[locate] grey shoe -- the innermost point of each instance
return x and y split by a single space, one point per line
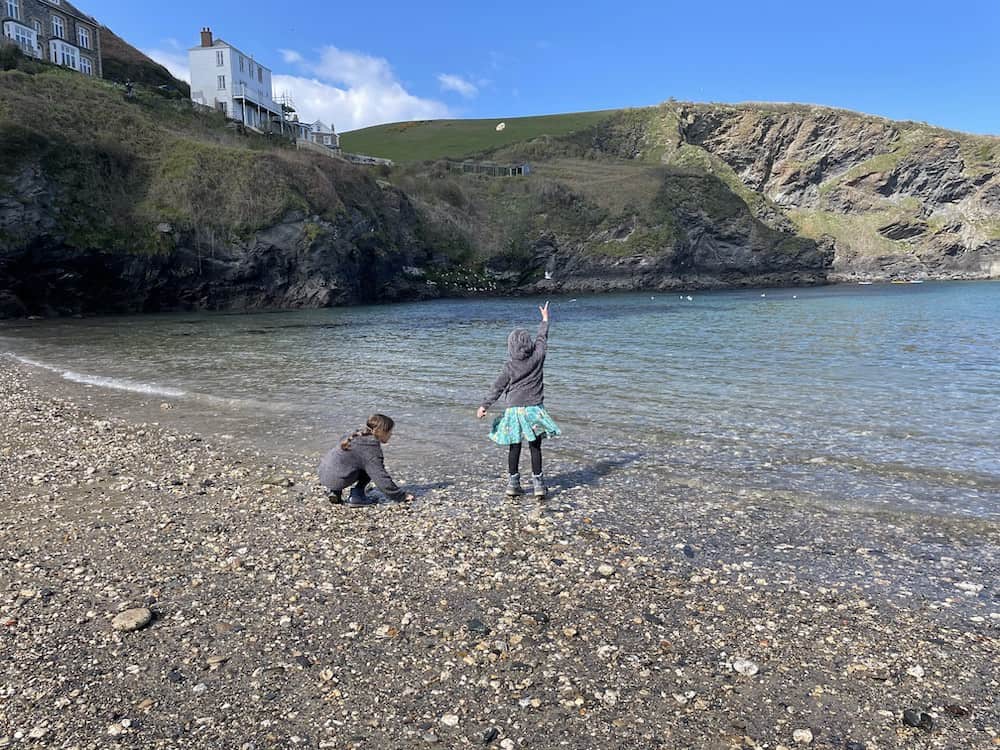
538 485
358 498
514 485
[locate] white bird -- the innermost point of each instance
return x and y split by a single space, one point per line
763 295
689 298
548 274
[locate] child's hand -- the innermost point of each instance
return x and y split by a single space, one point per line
481 412
544 310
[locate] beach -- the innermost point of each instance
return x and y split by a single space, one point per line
463 619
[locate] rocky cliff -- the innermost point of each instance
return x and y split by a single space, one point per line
896 199
144 204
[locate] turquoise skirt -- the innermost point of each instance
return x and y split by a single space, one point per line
519 423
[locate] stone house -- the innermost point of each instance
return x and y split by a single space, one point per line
325 135
53 30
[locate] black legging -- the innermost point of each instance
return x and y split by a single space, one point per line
514 456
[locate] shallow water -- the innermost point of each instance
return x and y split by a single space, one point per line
882 395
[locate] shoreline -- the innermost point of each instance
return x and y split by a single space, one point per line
537 289
280 620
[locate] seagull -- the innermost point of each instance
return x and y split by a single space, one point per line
689 298
548 274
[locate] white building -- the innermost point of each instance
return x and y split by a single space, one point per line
225 78
324 136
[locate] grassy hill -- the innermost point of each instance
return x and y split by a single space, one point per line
123 62
425 140
120 166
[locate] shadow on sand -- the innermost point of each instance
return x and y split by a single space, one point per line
589 475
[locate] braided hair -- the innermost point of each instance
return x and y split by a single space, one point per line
378 425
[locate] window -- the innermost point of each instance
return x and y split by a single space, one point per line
24 37
58 28
242 61
260 74
83 36
222 83
38 27
64 54
220 58
222 107
86 67
326 140
12 9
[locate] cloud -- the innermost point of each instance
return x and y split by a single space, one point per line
458 84
173 57
351 90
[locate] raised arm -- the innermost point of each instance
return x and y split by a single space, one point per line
541 340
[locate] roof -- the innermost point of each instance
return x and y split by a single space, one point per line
68 8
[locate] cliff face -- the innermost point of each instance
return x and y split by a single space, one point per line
115 204
298 261
896 199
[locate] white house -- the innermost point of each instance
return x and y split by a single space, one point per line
226 78
324 136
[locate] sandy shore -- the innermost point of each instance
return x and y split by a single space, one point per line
463 619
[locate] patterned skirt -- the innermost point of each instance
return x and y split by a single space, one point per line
519 423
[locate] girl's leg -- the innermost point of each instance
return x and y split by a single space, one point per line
535 446
514 458
513 462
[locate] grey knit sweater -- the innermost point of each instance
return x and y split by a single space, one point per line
522 379
340 469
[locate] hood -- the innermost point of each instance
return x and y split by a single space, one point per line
520 344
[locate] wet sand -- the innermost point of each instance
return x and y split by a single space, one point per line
279 620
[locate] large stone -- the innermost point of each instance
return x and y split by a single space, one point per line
132 619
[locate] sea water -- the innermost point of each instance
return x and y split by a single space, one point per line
880 395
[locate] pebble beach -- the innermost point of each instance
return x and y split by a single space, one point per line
161 589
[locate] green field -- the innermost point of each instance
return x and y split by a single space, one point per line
425 140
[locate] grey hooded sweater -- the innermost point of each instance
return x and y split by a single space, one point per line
522 378
340 469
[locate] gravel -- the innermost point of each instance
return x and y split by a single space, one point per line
272 618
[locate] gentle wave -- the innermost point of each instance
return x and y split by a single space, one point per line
120 384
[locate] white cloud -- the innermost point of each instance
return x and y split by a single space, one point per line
352 90
458 84
173 57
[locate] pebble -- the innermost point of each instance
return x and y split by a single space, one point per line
745 667
802 736
346 630
913 717
132 619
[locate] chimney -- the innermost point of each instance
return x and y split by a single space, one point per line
206 37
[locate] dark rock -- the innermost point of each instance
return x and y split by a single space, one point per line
915 718
175 676
477 627
490 734
854 745
959 712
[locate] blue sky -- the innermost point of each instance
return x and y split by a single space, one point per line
359 64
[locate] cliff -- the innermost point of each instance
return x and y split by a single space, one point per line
116 204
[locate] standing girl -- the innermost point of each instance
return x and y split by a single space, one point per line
358 460
525 418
